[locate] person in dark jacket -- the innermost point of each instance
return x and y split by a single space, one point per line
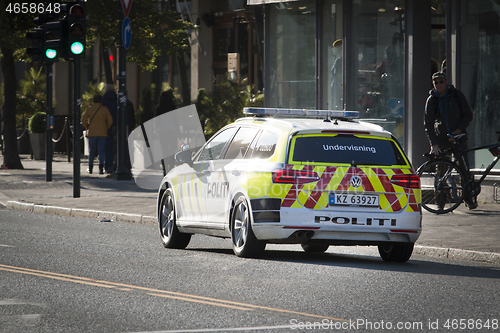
110 100
166 102
447 112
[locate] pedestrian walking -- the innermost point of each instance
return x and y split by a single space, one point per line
97 120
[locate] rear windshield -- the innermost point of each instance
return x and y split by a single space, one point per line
346 149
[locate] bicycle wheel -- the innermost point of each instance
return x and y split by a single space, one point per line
442 186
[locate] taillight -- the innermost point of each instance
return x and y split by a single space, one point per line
408 181
289 176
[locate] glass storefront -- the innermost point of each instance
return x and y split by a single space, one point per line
306 69
332 37
377 29
292 65
378 41
479 67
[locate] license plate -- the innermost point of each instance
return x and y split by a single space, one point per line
353 200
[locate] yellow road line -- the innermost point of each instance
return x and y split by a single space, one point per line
157 292
200 301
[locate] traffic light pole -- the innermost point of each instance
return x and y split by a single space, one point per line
122 173
76 128
48 128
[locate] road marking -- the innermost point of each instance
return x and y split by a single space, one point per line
203 302
232 329
5 245
156 292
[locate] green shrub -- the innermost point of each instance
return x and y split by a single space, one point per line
221 106
37 123
30 96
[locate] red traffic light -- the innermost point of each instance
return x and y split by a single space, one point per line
76 11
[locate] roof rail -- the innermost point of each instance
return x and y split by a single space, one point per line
262 112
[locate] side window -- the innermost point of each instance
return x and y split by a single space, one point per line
214 147
240 143
264 147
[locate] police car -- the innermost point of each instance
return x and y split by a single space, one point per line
284 176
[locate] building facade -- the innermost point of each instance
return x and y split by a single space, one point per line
377 57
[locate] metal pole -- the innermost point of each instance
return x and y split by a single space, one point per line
76 128
68 138
48 126
121 171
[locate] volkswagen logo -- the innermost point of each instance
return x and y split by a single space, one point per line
356 181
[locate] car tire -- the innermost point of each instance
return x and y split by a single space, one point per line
314 248
245 244
396 252
171 237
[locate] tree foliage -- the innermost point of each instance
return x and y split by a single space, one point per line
224 104
155 31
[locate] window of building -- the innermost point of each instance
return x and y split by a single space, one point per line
479 73
332 57
377 65
290 81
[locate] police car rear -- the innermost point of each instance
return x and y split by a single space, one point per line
344 183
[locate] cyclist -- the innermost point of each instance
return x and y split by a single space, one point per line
447 112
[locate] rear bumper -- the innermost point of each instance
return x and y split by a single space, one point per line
340 228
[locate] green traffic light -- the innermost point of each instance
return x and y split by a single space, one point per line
76 48
50 53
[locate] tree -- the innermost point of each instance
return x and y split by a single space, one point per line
13 29
156 31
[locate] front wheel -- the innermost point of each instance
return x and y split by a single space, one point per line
171 237
245 244
442 185
396 252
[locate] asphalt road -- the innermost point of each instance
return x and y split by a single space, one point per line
62 274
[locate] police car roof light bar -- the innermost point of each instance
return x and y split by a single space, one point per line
301 113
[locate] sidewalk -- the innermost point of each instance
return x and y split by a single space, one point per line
463 234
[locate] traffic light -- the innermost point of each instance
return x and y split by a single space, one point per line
52 33
36 49
75 28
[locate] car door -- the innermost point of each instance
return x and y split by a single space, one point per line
206 171
224 175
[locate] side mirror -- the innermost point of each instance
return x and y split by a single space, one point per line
184 157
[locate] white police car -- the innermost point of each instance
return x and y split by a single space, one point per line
309 181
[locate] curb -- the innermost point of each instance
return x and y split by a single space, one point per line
429 251
457 254
75 212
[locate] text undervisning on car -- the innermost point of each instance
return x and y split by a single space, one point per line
292 176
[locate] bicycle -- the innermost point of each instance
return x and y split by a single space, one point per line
442 180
